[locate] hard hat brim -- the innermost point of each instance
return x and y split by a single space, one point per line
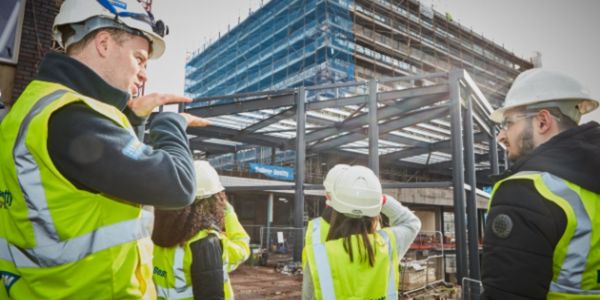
585 106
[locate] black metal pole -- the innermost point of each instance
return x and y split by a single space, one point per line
300 167
495 169
458 174
472 224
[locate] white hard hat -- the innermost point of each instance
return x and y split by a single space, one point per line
332 175
207 180
85 16
542 88
357 192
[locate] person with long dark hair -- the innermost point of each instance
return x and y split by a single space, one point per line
358 261
196 247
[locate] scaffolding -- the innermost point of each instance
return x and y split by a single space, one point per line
288 44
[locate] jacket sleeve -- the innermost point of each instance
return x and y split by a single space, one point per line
97 155
207 269
235 241
521 231
403 222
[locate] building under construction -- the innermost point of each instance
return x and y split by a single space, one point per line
302 85
287 44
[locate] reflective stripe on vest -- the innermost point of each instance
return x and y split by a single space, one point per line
181 290
316 232
50 250
4 250
322 263
579 247
324 270
392 292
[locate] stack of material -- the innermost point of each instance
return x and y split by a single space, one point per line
416 274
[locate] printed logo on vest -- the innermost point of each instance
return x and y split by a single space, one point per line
8 279
5 199
159 272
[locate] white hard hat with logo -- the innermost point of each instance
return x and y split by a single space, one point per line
207 180
85 16
331 176
541 88
357 192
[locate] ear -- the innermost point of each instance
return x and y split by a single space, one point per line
544 122
103 43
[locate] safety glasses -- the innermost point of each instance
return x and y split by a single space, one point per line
158 26
508 122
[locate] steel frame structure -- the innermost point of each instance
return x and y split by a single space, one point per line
448 106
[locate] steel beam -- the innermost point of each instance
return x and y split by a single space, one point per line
288 113
442 146
401 122
265 102
236 135
399 107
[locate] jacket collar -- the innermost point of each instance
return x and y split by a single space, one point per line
62 69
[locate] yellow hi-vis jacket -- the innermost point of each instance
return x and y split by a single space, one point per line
57 241
576 259
172 275
335 277
309 238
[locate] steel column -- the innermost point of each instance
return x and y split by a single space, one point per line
472 224
373 128
458 174
300 168
269 219
494 151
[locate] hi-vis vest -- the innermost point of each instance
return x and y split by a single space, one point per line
576 259
335 277
172 275
56 241
308 238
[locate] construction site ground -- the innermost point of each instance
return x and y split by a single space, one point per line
258 282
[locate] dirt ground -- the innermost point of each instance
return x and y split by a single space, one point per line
255 282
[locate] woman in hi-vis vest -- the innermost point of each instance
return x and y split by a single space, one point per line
357 261
197 246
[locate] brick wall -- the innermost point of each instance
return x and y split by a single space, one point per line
36 39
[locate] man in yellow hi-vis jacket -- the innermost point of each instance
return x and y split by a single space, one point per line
73 173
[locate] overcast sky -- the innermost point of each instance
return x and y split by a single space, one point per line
565 32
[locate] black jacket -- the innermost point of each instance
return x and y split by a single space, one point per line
517 260
89 149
